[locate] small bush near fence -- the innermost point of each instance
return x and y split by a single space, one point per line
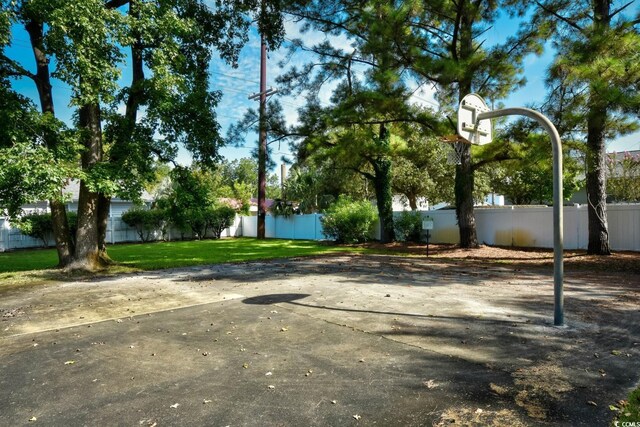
349 222
39 226
219 218
408 226
146 222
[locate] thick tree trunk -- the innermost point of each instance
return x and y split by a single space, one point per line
64 242
61 233
104 203
384 194
464 179
384 201
596 182
464 200
413 203
87 254
134 99
596 151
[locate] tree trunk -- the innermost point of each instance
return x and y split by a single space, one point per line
64 242
464 179
413 202
61 233
87 254
596 150
384 194
135 98
104 203
464 200
596 182
382 184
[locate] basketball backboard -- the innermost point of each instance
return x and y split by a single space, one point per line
473 130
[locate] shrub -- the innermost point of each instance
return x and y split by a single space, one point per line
347 221
283 208
219 218
214 219
37 225
145 221
408 226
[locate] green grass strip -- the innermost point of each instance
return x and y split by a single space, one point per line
161 255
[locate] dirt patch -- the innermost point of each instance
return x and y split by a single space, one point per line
624 262
479 417
540 385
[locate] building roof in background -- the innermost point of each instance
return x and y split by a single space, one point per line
267 202
619 155
73 190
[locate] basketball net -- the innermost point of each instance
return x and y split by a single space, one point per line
456 148
454 156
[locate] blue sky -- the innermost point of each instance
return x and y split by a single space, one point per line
237 84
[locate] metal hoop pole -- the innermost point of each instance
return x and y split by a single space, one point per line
558 266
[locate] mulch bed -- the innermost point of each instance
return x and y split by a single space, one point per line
621 262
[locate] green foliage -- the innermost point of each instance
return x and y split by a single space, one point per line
36 225
283 208
85 44
192 205
145 221
40 226
623 178
420 169
408 226
30 171
219 218
347 221
317 183
527 176
189 196
629 410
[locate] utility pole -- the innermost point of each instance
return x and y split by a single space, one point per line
262 144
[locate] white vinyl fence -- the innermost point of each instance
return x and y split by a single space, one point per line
117 232
301 227
533 226
505 226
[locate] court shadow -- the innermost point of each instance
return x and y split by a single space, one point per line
274 299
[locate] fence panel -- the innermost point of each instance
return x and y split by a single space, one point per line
624 227
509 226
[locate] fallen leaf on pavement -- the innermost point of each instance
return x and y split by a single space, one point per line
430 384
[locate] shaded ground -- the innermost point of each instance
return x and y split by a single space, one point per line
619 261
338 340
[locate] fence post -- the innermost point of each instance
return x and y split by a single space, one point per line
3 236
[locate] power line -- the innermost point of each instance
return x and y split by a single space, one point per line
235 77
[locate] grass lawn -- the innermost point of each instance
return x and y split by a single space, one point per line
160 255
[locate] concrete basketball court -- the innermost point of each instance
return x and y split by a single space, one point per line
327 341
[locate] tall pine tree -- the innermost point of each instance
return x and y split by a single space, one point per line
595 87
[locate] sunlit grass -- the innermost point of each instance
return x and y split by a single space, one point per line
161 255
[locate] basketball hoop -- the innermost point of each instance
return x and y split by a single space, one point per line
455 150
470 128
